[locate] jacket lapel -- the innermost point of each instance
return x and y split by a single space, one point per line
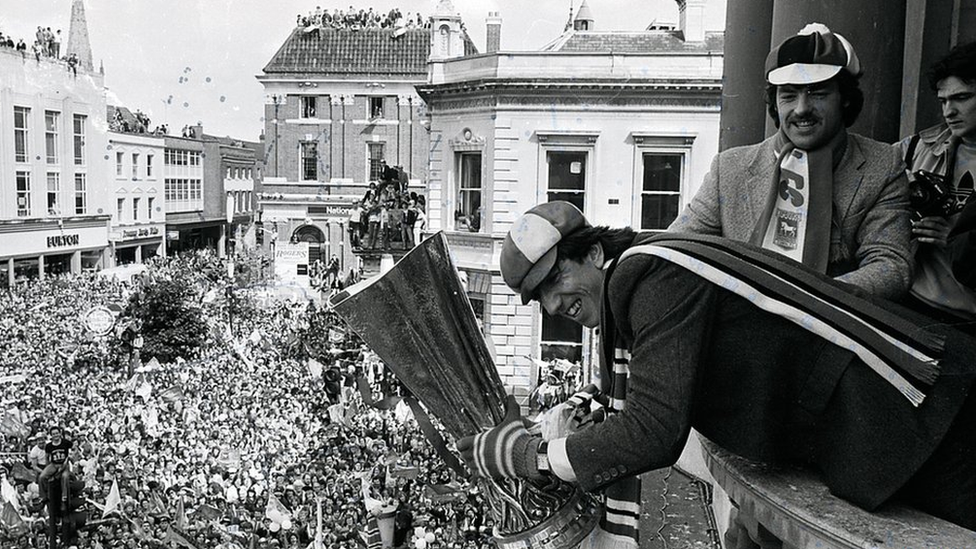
760 169
848 178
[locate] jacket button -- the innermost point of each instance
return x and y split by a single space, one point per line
613 473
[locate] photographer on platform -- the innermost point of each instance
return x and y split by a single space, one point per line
942 165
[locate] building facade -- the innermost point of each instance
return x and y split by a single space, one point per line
54 200
138 198
622 124
339 104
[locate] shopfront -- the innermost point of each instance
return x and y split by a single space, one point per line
137 244
37 249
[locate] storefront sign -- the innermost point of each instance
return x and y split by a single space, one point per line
63 240
55 239
291 262
142 232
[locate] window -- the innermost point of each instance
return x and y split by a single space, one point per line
375 107
21 134
561 338
135 165
445 38
149 165
119 209
194 157
567 176
80 122
135 209
118 163
23 194
81 193
183 194
307 106
660 190
468 216
309 160
52 119
374 155
149 207
53 193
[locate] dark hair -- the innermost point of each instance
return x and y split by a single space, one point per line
577 244
850 93
960 62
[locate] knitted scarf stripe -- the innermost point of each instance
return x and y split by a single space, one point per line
840 327
622 513
869 307
910 362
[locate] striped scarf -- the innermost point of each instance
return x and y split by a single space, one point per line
886 342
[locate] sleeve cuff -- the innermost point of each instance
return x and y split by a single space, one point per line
559 460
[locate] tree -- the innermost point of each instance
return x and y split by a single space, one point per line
168 311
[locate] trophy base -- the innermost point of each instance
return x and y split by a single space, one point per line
566 528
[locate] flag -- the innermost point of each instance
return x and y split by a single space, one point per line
176 536
443 493
150 366
20 472
137 379
172 394
207 512
371 534
12 520
9 494
351 412
113 500
11 379
402 411
405 472
137 530
180 519
398 32
336 413
315 368
229 458
12 426
318 525
144 390
275 508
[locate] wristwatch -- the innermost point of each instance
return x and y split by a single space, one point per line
542 458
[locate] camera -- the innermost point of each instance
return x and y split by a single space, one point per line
929 196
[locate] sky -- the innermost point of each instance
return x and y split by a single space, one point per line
195 61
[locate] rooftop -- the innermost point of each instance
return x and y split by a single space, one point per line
634 42
373 51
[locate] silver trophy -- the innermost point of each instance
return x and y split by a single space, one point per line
418 319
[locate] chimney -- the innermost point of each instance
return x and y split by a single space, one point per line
78 42
691 19
494 39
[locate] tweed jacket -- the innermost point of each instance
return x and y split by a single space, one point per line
758 385
870 227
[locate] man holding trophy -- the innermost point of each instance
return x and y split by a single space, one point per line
758 353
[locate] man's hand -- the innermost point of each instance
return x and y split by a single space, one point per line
931 230
505 451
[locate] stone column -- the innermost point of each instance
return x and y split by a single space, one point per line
76 263
747 35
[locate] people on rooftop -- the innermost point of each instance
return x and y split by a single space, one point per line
360 19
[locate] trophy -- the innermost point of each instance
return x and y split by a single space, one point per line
418 319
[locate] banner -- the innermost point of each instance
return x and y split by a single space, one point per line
11 426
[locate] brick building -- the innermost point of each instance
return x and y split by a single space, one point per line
339 103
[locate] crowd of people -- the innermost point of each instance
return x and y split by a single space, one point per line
47 44
237 444
388 213
361 19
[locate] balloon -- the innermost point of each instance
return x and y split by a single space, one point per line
286 524
421 543
419 532
429 538
275 515
274 527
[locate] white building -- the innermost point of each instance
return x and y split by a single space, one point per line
139 205
622 124
54 213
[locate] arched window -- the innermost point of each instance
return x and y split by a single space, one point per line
445 32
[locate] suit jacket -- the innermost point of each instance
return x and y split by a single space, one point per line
757 385
870 226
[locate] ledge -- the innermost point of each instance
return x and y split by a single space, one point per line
791 505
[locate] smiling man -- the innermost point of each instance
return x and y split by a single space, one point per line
832 200
762 355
